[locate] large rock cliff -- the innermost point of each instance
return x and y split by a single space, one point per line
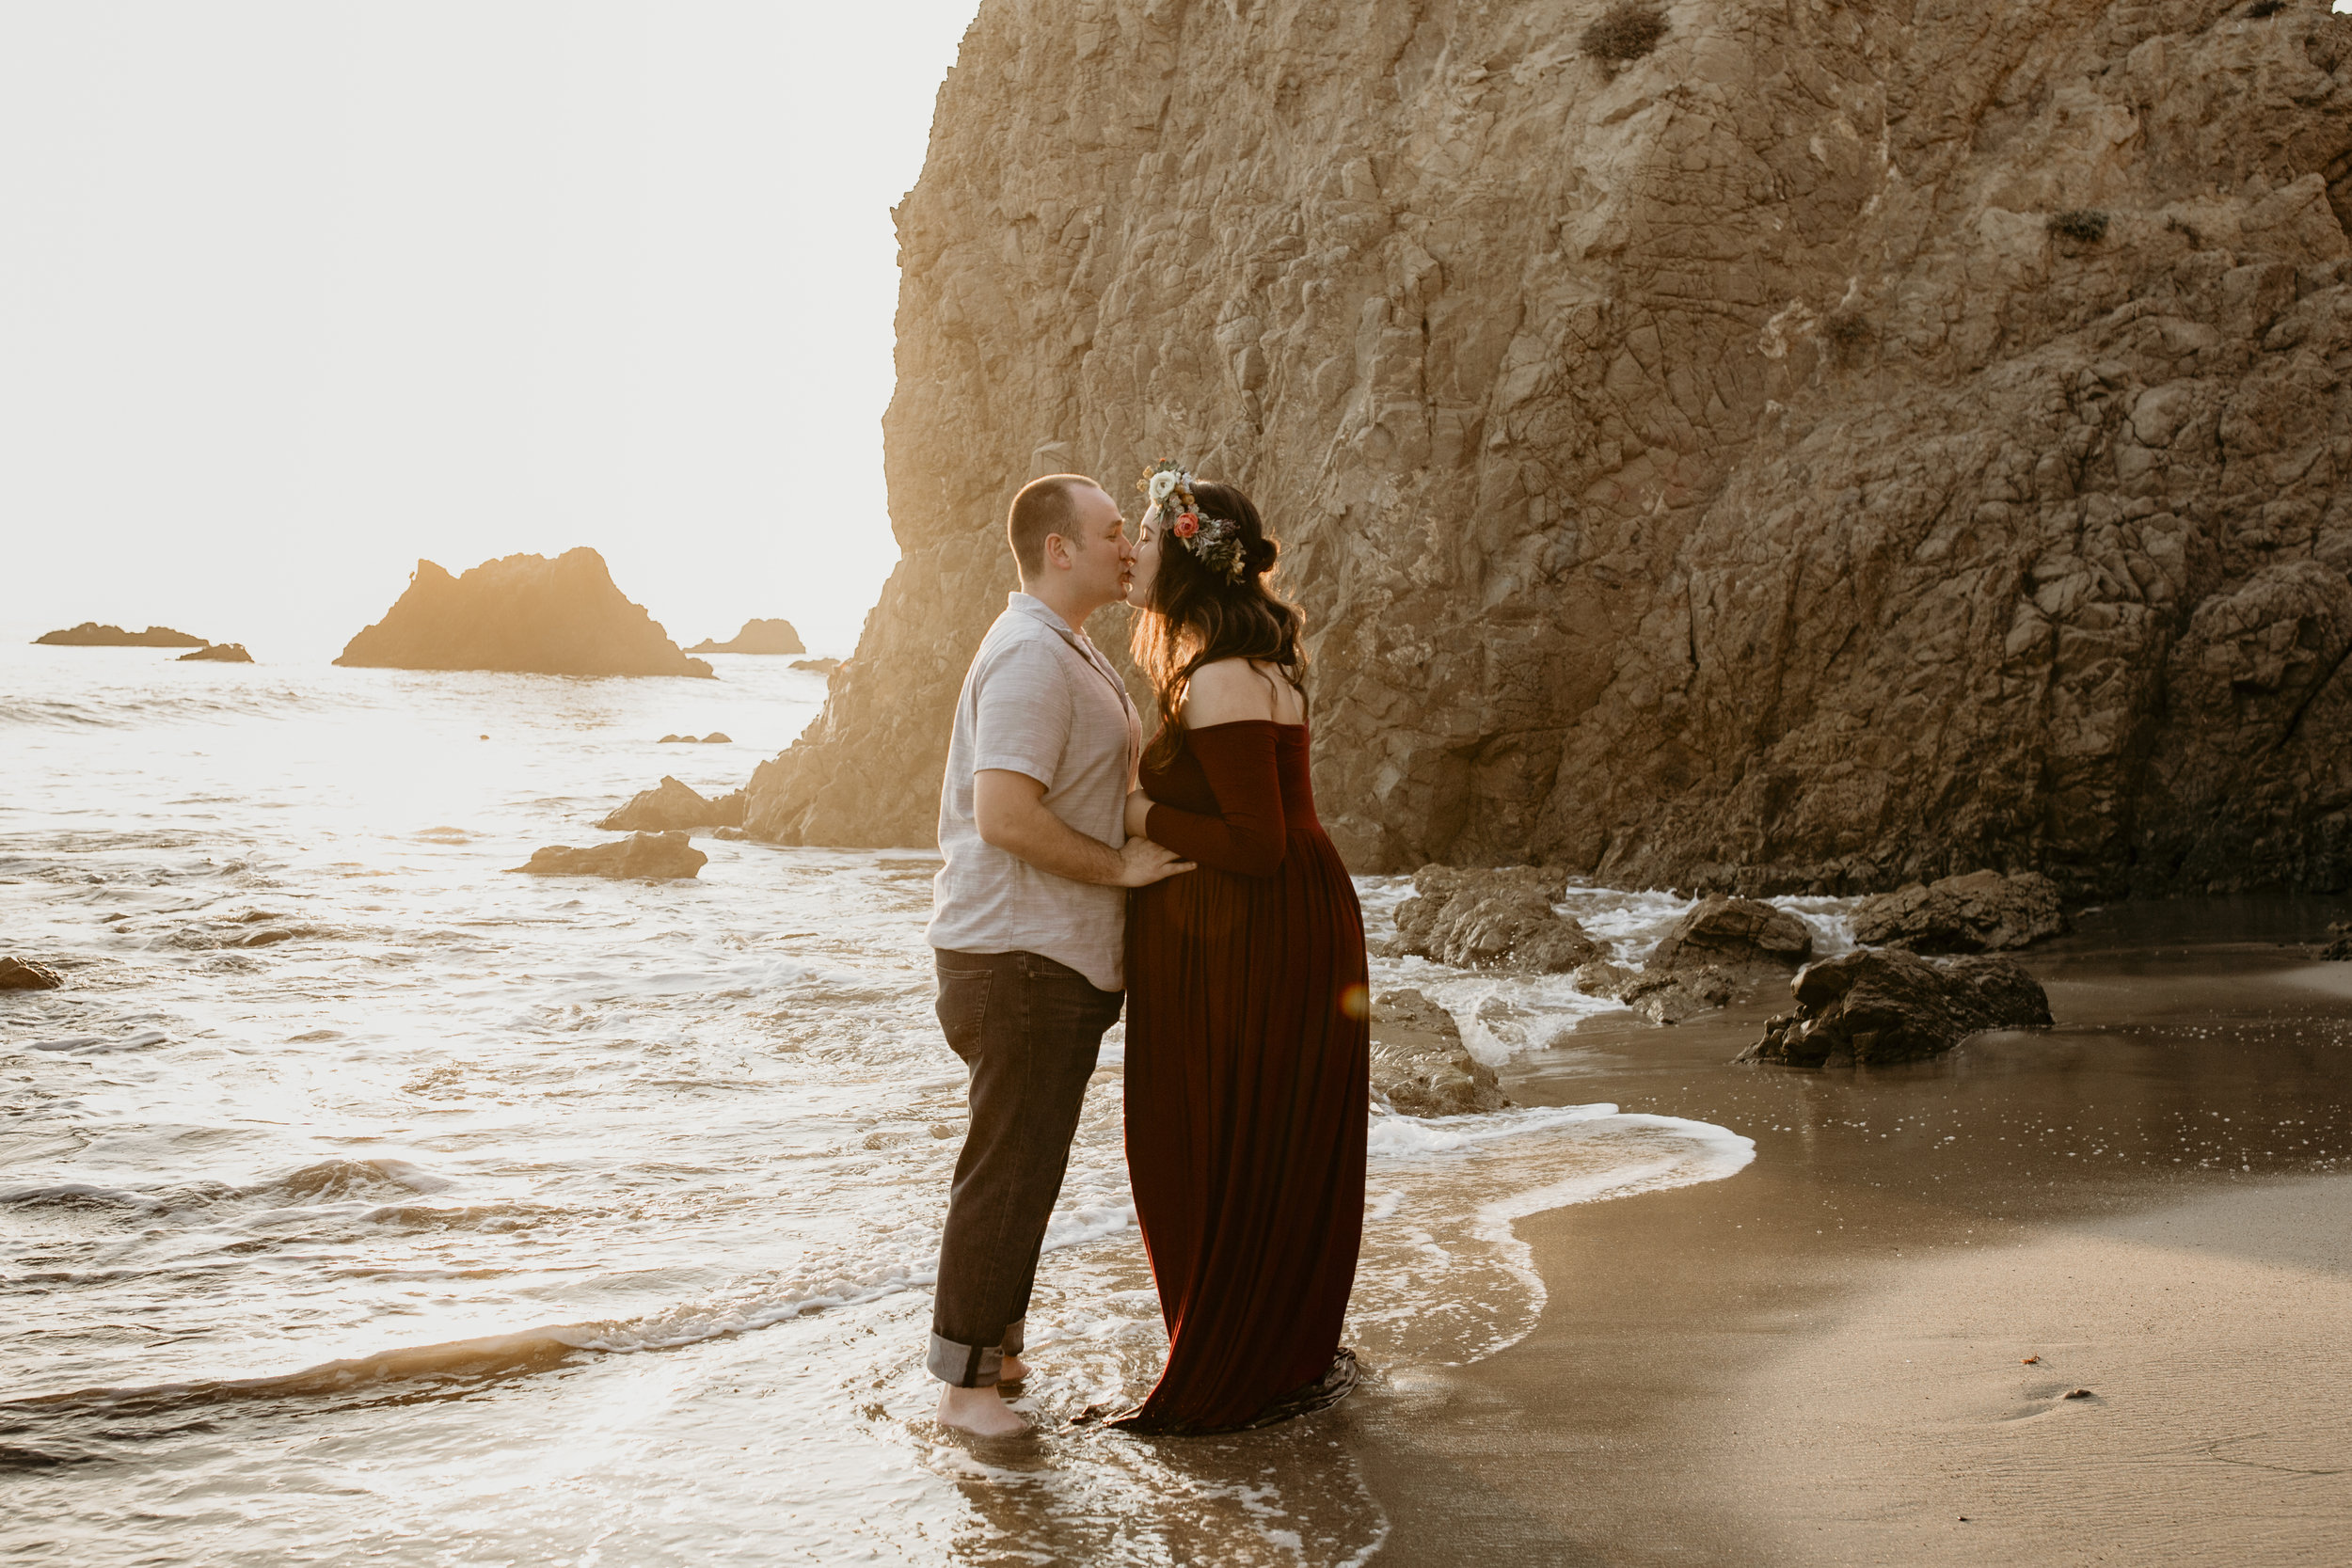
1848 444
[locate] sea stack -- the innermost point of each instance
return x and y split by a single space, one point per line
523 613
1785 447
218 653
758 637
90 634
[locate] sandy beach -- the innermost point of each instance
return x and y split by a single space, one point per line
1824 1359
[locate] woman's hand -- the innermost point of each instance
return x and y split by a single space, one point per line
1138 808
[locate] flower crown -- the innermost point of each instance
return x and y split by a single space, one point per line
1215 541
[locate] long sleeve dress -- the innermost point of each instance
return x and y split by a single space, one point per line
1247 1074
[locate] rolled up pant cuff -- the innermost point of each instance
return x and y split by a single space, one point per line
973 1366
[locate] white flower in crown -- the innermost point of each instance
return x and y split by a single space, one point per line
1163 484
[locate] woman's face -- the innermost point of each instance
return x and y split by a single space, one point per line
1147 566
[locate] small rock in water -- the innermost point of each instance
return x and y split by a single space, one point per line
671 804
1419 1061
1663 998
1740 933
220 652
1883 1004
1478 918
647 855
758 637
820 666
718 737
674 739
23 974
730 834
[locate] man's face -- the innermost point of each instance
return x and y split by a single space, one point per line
1102 558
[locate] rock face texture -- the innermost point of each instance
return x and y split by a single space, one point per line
758 637
218 653
674 805
1749 465
649 855
90 634
1885 1006
1419 1061
1981 913
1490 920
524 613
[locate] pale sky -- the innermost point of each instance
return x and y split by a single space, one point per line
297 292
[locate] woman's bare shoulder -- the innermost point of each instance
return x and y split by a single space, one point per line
1231 691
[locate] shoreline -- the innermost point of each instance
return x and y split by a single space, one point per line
1821 1359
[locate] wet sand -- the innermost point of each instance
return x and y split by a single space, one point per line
1820 1360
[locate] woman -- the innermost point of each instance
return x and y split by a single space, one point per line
1246 1043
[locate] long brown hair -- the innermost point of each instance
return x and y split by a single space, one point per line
1196 616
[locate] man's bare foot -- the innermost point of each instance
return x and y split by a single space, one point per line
1013 1369
981 1412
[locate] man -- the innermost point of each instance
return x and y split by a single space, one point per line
1028 918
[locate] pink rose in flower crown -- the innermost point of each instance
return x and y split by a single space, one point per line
1188 524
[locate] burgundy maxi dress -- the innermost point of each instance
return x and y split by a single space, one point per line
1248 1073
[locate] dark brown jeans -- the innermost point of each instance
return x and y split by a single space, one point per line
1028 1028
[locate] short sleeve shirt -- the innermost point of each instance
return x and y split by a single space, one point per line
1041 700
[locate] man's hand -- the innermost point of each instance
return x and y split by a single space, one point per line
1010 810
1141 863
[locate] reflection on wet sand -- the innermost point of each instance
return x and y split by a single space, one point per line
1653 1416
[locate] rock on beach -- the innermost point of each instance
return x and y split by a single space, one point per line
1883 1004
640 855
1662 997
1736 933
1419 1061
1983 912
1491 919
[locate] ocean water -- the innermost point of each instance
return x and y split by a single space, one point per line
363 1201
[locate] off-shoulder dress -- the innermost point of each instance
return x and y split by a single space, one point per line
1246 1078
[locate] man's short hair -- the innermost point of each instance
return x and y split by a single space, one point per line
1045 506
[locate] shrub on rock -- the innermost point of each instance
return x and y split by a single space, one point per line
1626 31
2083 224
